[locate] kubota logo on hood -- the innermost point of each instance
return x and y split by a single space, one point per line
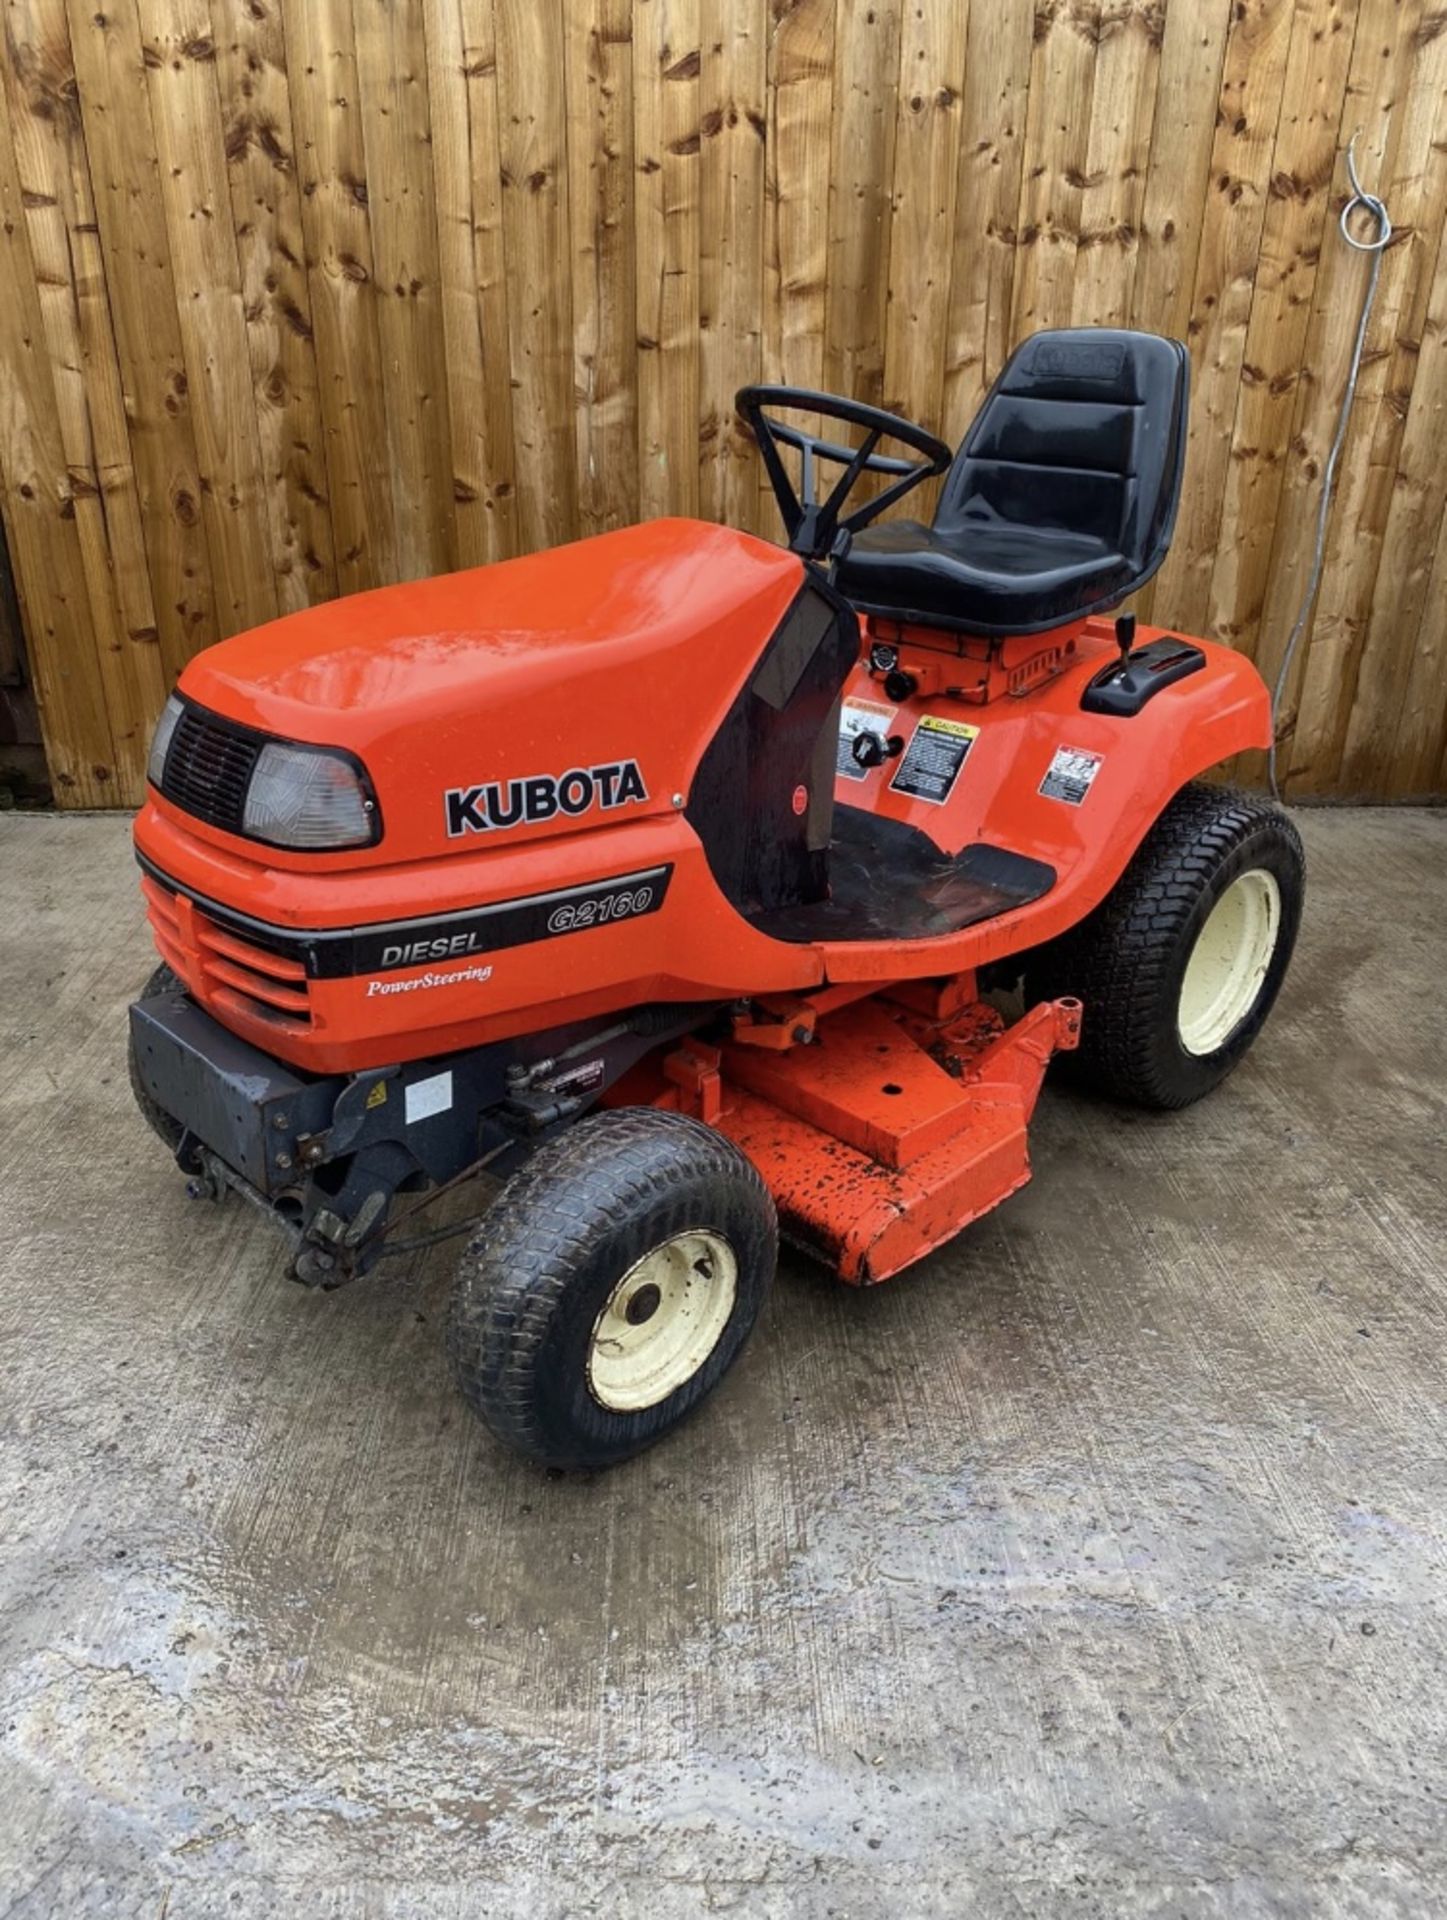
513 803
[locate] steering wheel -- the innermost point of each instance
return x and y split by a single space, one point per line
813 525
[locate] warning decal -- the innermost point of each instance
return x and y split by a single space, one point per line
933 759
856 717
1070 775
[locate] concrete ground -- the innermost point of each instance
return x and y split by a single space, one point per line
1095 1568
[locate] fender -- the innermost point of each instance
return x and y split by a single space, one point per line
1131 767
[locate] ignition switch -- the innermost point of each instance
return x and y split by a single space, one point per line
872 749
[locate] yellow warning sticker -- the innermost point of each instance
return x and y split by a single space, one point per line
378 1096
932 761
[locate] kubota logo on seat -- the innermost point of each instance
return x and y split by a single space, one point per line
542 796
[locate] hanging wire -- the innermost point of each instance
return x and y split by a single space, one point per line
1376 211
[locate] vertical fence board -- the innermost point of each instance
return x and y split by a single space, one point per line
993 115
1380 738
1176 170
800 88
1394 725
861 171
136 257
497 457
1057 132
1376 88
1177 178
332 168
1411 750
460 306
667 64
396 136
310 295
1235 209
731 255
55 192
186 115
800 83
40 522
1302 164
1413 569
926 175
533 138
276 300
600 204
1122 118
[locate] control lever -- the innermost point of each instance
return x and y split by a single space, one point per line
1125 640
1123 687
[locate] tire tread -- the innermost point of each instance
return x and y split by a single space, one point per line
1119 958
624 1162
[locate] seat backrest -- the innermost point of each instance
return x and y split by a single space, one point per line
1084 432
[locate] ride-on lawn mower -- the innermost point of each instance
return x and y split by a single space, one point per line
674 877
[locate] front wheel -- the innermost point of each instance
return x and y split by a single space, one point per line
1181 963
611 1287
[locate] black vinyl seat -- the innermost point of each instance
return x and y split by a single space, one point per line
1060 501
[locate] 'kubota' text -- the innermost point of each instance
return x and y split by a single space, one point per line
514 803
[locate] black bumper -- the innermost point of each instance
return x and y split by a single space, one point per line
250 1110
272 1125
325 1155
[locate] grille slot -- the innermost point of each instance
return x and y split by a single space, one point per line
223 968
209 767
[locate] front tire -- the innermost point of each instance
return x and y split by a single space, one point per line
1179 966
611 1287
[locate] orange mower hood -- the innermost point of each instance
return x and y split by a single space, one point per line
614 653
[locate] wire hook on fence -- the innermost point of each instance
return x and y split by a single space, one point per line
1376 209
1368 201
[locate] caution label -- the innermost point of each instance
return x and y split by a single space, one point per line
856 717
1071 774
932 761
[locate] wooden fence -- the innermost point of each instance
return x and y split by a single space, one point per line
299 296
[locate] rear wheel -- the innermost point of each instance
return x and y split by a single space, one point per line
611 1287
163 980
1180 965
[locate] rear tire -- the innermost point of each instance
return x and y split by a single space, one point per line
1181 963
163 980
611 1286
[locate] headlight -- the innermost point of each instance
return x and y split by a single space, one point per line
161 739
307 797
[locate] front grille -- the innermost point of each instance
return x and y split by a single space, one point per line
208 768
223 968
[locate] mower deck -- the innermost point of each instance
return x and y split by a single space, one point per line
882 1125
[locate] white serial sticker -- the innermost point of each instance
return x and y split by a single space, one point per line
856 717
1071 774
426 1097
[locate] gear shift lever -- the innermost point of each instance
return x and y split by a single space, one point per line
1125 640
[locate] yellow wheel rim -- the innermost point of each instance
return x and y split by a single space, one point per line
662 1321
